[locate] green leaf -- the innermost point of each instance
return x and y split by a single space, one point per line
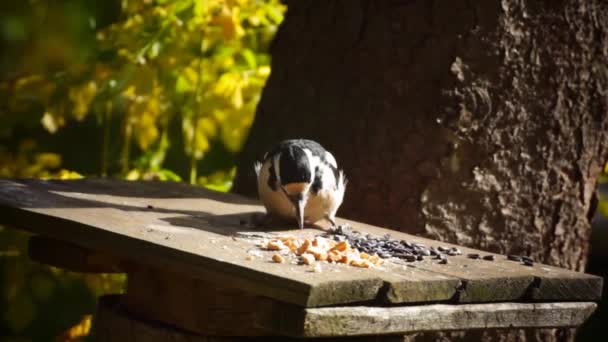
249 57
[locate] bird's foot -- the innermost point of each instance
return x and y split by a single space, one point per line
332 221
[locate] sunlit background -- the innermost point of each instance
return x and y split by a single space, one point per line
132 89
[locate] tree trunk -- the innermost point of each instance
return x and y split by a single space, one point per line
482 123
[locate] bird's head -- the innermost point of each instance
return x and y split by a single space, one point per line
295 172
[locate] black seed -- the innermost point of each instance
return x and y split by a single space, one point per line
514 257
420 258
410 258
473 256
525 258
150 206
443 261
489 257
528 263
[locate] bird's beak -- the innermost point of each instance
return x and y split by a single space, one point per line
299 202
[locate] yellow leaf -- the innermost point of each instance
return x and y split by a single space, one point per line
133 175
81 329
237 97
48 160
51 122
67 174
263 71
81 96
208 126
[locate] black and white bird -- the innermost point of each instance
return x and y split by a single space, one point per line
300 179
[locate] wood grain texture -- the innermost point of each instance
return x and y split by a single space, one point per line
198 233
114 323
203 307
117 323
348 321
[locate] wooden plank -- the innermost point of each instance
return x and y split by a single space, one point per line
501 279
199 306
113 322
352 321
186 229
192 231
72 257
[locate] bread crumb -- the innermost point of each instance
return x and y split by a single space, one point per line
319 248
275 245
278 258
342 246
307 259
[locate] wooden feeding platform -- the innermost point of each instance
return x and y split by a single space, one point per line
196 270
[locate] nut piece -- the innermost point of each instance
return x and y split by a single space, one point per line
323 243
342 246
334 256
307 259
303 248
318 253
360 263
278 258
275 245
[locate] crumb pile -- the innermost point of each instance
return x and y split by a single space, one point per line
322 249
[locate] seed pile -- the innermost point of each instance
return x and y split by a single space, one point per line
386 247
347 246
320 248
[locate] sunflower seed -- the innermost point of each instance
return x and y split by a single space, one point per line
514 257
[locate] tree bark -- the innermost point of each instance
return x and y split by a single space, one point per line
483 123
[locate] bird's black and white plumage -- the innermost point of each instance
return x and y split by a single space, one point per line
300 179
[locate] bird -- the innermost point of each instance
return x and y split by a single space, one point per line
300 179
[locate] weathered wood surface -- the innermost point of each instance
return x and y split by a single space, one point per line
361 320
195 232
114 322
202 307
208 309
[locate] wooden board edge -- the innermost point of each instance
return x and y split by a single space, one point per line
357 321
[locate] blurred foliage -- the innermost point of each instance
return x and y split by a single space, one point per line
136 89
602 206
